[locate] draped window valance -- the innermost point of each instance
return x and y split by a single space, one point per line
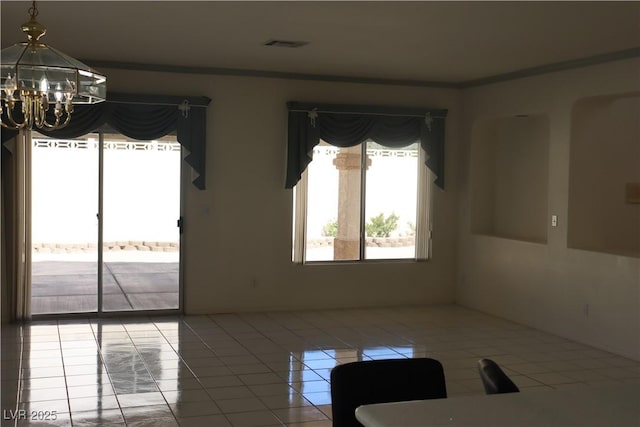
350 125
143 117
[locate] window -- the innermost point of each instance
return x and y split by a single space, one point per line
360 179
366 202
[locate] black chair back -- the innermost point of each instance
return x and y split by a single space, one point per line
495 381
380 381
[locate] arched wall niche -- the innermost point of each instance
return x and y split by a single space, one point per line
604 175
509 177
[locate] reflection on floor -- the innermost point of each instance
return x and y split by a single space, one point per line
71 287
263 369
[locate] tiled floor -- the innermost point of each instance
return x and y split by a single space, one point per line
263 369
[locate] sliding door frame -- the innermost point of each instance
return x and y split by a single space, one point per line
100 257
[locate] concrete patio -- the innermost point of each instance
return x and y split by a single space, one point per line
71 286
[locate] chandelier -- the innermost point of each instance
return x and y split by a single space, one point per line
34 76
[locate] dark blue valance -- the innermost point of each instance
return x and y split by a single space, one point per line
143 117
350 125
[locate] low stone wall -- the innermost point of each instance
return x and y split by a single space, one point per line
319 243
131 245
391 242
382 242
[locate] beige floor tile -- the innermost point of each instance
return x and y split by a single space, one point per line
255 369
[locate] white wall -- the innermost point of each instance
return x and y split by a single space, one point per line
548 286
237 243
141 195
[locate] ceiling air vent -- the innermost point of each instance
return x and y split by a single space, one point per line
285 43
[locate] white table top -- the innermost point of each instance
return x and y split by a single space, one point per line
588 405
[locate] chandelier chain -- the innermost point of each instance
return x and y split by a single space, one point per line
33 10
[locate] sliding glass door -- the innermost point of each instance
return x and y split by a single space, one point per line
141 238
64 226
105 230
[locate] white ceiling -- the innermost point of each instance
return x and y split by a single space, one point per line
423 41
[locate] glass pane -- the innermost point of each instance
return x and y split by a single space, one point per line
140 235
391 202
64 269
333 204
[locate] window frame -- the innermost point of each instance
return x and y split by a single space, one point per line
424 208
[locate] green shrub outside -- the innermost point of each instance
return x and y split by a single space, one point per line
330 229
381 226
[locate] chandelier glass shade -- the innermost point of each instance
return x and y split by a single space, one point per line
39 85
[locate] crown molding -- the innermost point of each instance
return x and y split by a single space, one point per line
556 66
498 78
